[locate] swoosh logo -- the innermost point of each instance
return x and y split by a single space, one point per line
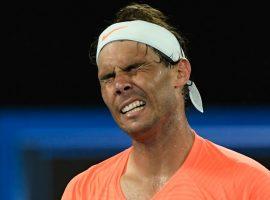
116 29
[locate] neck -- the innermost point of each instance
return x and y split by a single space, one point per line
164 151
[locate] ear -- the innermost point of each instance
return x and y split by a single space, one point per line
183 73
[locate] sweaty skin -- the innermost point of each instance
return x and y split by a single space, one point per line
158 127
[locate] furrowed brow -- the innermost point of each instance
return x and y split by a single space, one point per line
126 69
132 66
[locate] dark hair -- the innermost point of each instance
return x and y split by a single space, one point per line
135 11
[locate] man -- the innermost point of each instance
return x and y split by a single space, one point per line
144 77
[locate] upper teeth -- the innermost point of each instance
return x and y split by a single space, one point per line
132 106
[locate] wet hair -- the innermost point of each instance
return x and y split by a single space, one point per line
136 11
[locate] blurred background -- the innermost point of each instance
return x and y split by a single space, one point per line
53 122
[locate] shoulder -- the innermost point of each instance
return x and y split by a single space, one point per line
237 160
81 183
110 164
220 170
249 176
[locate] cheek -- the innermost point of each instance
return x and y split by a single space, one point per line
162 89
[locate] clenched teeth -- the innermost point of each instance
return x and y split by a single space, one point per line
134 106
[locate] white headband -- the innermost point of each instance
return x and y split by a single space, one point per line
154 36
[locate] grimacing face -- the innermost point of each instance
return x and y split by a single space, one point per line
139 91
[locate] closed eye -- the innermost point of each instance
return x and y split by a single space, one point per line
107 76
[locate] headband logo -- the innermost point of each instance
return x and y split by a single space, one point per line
116 29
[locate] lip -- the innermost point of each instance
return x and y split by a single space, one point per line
127 102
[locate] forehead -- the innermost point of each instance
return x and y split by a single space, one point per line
123 53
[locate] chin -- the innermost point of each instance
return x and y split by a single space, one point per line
138 132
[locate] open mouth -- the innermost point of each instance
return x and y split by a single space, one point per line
133 107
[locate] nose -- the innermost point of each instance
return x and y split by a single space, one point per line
122 84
